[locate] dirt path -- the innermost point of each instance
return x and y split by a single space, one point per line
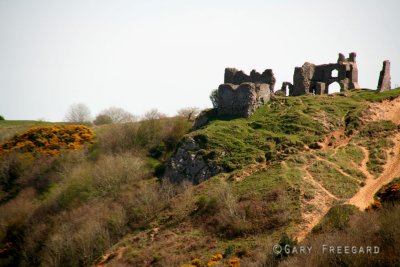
363 166
312 180
252 169
320 204
338 168
335 140
363 198
387 110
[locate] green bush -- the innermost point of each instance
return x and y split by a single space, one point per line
286 241
157 137
1 118
206 206
336 219
102 119
214 98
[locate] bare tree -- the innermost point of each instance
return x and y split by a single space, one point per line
118 115
214 98
153 114
79 113
190 112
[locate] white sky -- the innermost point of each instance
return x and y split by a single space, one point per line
170 54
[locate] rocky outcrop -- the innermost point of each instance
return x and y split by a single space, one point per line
242 100
189 164
384 77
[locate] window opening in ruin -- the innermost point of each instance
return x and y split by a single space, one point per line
334 73
334 88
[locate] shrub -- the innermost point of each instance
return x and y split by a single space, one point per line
18 171
206 206
189 113
286 241
112 172
389 193
115 115
337 218
107 177
158 137
102 119
215 260
214 98
81 235
49 139
1 118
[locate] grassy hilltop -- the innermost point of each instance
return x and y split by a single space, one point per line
290 172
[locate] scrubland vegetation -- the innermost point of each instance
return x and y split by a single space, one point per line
344 225
67 197
102 199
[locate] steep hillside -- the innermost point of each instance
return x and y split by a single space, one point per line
277 172
238 187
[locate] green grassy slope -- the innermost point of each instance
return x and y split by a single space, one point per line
263 193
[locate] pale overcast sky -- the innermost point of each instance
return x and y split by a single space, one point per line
167 55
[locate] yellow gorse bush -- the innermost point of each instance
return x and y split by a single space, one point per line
216 260
49 139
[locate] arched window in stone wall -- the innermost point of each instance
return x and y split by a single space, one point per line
334 73
334 88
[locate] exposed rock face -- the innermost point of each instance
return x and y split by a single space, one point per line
315 79
242 100
239 96
384 77
190 165
238 77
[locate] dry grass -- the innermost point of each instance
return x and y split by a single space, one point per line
377 228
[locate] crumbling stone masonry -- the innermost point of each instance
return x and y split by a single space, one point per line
384 77
316 79
242 100
238 77
286 89
242 94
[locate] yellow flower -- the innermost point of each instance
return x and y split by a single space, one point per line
212 262
196 262
216 257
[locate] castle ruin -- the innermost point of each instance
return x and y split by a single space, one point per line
316 79
384 77
241 94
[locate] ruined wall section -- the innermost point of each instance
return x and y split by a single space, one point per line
384 77
241 94
302 79
237 77
242 100
315 79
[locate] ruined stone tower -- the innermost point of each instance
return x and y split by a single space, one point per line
316 79
384 77
241 94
